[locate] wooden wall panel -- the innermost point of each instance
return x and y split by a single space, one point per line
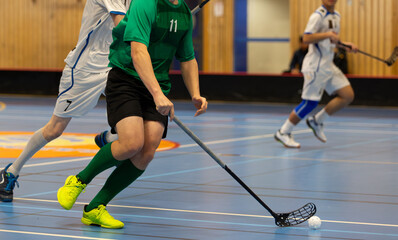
394 26
218 36
38 33
370 24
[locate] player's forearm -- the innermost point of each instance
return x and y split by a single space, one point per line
116 18
190 74
143 65
315 37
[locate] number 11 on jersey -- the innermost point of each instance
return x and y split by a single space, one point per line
173 22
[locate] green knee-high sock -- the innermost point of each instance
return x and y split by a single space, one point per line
120 178
101 161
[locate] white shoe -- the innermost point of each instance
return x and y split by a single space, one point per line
286 139
317 128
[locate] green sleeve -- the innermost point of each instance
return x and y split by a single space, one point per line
142 15
185 51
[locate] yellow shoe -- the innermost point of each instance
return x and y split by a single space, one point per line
100 216
68 194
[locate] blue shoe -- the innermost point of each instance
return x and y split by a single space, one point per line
7 184
100 139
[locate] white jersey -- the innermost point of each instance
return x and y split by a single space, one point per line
320 55
92 50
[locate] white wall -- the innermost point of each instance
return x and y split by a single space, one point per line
268 19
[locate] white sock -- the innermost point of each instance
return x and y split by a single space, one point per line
287 127
321 116
35 143
110 137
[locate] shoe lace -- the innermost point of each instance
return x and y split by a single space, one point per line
76 187
291 139
76 191
285 134
317 123
101 211
12 180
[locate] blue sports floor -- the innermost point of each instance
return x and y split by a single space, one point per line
184 194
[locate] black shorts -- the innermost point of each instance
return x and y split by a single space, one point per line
127 96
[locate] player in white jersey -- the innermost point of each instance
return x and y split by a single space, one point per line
82 83
320 74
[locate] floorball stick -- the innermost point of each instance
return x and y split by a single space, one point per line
281 219
389 61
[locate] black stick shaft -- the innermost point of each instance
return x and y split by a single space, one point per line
249 191
364 53
370 55
222 164
197 8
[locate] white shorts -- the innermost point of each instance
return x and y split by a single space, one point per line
79 92
316 82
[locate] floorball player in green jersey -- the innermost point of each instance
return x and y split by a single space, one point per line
151 34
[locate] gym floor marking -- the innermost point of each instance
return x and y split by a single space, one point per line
207 212
2 106
54 235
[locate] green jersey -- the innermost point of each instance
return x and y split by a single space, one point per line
165 28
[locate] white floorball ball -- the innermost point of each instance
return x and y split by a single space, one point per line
314 222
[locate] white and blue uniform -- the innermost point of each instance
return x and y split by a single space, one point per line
320 73
84 76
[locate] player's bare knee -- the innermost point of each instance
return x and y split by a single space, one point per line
349 97
142 159
146 158
132 149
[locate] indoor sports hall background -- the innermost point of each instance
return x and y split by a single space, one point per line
243 48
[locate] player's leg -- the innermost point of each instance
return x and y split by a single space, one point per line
284 135
122 177
153 129
344 96
130 142
79 93
104 159
312 92
52 130
37 141
338 85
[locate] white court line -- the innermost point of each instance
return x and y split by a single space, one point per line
211 213
53 235
57 162
361 131
242 139
312 159
328 129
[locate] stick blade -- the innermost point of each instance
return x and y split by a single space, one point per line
391 60
296 217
